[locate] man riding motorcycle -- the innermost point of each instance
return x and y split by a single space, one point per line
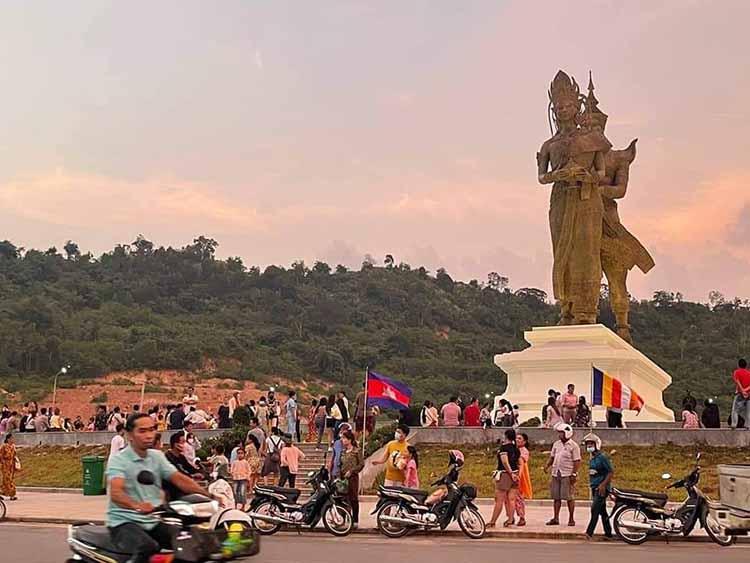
130 502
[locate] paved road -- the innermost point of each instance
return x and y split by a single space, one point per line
46 544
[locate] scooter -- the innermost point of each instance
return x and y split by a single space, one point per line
638 515
273 507
401 510
200 531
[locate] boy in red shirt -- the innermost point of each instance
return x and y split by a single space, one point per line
741 403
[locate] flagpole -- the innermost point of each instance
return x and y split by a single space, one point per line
364 414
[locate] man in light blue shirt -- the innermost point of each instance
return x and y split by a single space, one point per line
130 503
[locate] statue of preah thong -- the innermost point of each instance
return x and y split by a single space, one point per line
587 178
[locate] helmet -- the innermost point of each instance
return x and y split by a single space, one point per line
594 439
566 428
455 457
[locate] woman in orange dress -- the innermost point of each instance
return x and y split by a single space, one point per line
525 491
8 462
312 432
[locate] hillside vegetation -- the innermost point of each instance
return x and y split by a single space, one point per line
140 306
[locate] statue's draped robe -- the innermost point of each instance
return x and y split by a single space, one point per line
576 214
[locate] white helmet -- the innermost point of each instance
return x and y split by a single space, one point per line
593 439
566 428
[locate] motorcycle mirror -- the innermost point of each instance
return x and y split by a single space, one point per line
146 478
666 476
311 474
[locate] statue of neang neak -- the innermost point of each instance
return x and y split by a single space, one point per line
573 161
581 251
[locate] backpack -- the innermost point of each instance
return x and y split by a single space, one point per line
276 453
423 416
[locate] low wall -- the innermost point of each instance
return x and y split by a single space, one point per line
642 436
88 438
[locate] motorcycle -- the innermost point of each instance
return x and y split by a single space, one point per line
200 531
273 507
401 510
638 515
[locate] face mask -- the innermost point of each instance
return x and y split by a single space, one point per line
397 435
191 442
590 449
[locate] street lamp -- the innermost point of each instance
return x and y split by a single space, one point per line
486 395
63 371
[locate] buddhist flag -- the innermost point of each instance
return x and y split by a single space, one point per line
608 391
387 393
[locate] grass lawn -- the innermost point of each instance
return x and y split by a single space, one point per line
54 466
635 467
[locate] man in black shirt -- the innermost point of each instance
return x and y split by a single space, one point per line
177 418
175 456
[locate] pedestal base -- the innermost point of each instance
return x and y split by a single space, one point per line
560 355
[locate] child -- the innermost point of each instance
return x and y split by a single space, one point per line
411 476
240 474
218 460
291 455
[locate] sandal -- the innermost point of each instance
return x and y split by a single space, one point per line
490 524
571 523
553 522
521 523
507 523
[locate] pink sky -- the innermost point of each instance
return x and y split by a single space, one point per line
328 130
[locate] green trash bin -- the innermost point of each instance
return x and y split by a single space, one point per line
93 475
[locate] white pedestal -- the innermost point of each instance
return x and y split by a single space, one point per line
560 355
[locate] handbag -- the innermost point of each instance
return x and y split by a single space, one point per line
17 463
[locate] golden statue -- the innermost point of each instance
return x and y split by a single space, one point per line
587 179
572 160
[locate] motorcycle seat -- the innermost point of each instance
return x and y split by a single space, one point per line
291 494
98 536
643 494
418 494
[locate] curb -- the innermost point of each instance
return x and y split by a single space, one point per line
54 490
514 535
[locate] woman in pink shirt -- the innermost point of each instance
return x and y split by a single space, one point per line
411 475
690 419
291 455
451 413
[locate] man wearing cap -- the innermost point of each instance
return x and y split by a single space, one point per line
600 477
564 460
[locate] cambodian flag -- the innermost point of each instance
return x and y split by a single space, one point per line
609 391
387 393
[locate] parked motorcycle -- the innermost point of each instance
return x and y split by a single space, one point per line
400 510
274 507
200 532
639 515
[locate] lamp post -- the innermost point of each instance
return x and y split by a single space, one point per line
63 371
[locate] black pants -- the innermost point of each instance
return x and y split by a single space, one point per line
598 510
296 428
286 477
614 419
142 543
353 494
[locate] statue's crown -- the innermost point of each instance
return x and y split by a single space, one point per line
592 115
563 87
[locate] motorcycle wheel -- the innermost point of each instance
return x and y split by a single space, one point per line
337 520
390 529
3 509
471 523
266 528
714 531
632 537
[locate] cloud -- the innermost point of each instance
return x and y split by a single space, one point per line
86 200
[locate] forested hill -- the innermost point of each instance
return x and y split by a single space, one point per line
140 306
